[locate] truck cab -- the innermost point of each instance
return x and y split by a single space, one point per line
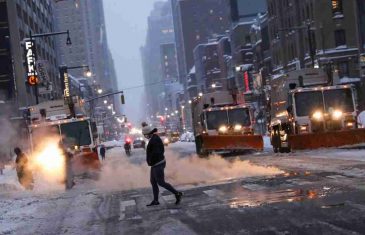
53 120
221 124
307 112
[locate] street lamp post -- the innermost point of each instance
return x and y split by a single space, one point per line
29 44
65 81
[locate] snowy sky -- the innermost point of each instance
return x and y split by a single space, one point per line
126 23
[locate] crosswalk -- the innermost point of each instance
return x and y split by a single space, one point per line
134 207
123 206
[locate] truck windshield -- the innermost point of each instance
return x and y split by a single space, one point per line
39 134
239 116
76 133
307 103
339 99
215 119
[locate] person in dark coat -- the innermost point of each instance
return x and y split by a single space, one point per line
156 160
24 173
102 152
69 174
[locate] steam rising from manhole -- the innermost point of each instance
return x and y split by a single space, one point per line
119 173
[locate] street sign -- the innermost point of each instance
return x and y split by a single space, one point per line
65 83
42 70
32 75
46 89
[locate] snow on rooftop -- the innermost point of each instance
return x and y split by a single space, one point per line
346 80
338 49
192 70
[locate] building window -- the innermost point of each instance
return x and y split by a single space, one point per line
343 69
340 37
337 7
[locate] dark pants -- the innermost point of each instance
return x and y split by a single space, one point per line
157 178
102 156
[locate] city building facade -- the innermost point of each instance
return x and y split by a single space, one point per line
211 65
195 22
159 58
314 33
86 24
18 20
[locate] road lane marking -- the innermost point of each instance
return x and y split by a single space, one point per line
123 206
169 198
254 187
213 192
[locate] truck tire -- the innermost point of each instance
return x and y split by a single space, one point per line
285 150
199 147
276 143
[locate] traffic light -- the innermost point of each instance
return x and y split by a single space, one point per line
162 120
122 98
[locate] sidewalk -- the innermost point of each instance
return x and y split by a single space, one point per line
9 180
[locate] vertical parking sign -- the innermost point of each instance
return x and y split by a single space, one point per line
32 75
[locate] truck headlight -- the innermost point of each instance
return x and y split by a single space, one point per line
238 127
318 115
337 115
350 124
303 128
223 129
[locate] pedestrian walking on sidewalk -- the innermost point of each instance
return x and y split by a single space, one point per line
156 160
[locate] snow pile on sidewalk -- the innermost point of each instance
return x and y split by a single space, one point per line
9 180
119 172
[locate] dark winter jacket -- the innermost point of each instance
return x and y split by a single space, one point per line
102 151
155 150
21 162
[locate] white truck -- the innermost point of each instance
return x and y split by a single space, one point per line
76 134
221 124
307 112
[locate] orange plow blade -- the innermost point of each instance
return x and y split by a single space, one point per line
232 142
327 139
86 162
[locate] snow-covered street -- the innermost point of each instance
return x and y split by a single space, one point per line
312 191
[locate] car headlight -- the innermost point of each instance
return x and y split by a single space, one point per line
223 129
318 115
166 141
238 127
337 114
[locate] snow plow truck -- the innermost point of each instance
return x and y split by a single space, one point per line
308 112
221 124
72 130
